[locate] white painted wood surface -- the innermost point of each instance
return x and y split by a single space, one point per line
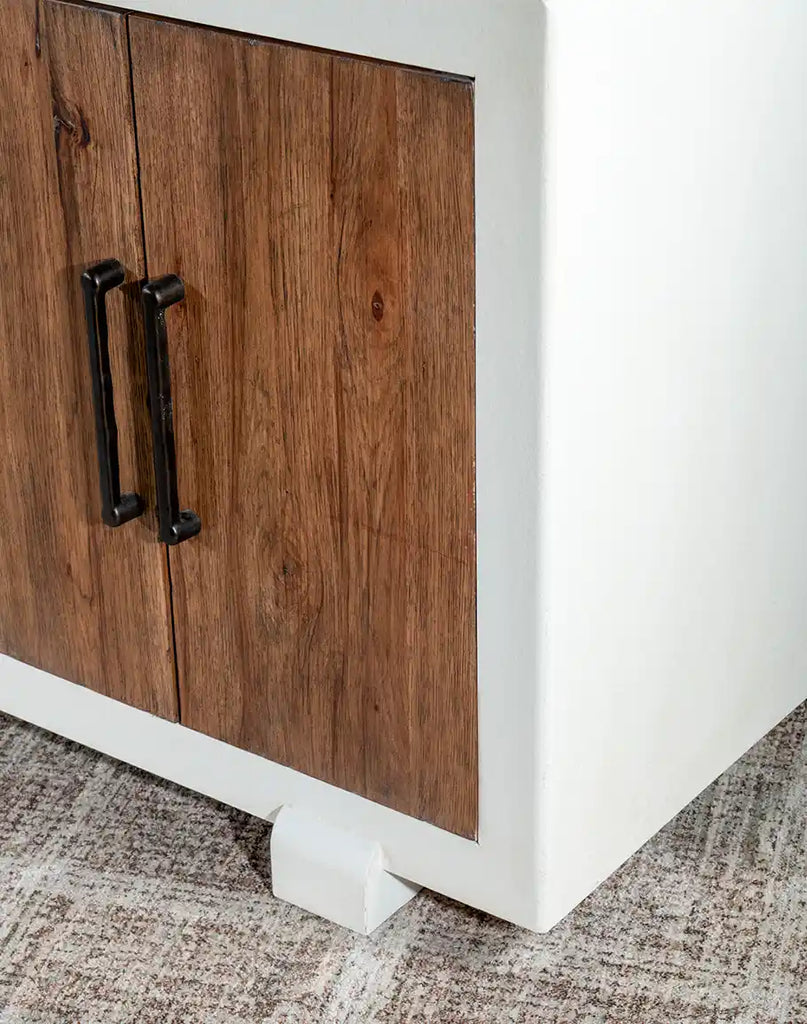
673 513
641 172
333 873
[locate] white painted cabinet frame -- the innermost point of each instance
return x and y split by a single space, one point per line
641 333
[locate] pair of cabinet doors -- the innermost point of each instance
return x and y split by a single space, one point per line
319 210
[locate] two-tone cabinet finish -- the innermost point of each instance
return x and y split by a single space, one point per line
399 427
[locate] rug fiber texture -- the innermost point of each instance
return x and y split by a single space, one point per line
127 900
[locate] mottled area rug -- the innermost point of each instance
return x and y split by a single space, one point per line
127 899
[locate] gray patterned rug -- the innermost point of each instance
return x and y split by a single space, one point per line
127 899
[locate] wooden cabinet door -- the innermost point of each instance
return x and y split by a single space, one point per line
77 598
320 212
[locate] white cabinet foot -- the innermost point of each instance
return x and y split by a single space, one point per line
333 873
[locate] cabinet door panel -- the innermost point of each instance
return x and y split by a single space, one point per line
76 598
320 212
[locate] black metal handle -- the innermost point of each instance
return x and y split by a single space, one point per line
96 281
175 525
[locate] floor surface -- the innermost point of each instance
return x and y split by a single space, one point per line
126 899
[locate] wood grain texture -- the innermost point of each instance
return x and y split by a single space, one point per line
320 212
76 598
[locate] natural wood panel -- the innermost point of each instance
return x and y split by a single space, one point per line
320 211
76 598
436 188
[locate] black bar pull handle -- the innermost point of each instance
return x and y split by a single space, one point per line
96 281
175 526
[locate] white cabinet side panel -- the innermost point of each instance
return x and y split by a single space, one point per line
674 409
